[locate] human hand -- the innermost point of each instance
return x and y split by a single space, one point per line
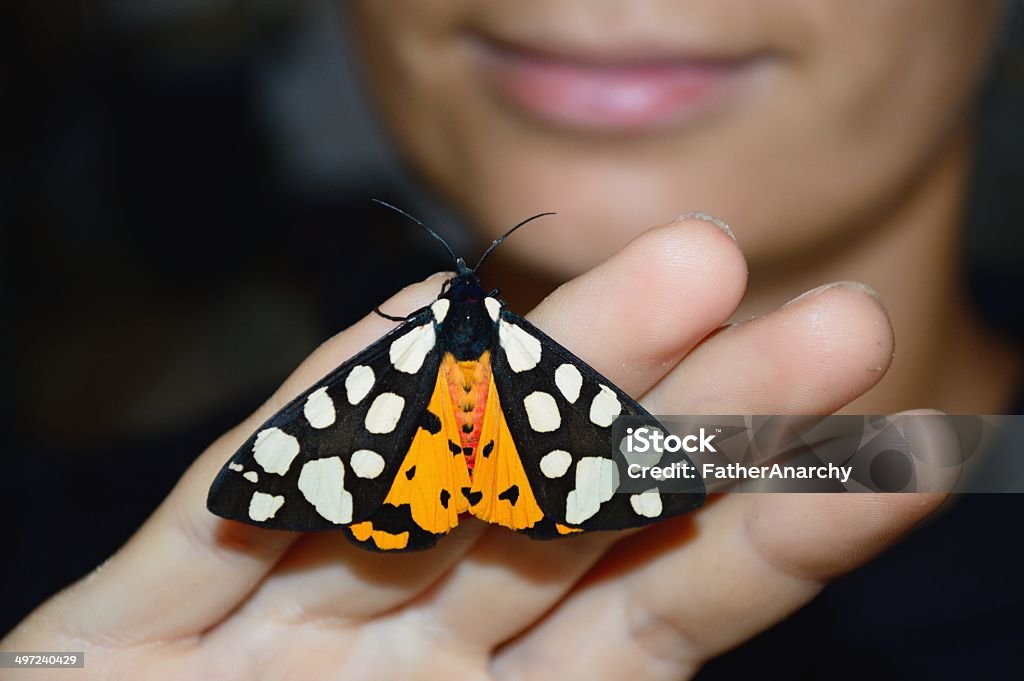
194 596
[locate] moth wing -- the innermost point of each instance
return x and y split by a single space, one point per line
501 492
559 412
330 457
424 499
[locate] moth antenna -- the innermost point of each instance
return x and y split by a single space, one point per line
418 222
494 244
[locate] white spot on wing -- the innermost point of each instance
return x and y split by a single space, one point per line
522 349
358 383
384 413
555 463
408 352
569 382
493 308
264 506
236 467
647 504
319 408
251 476
275 450
366 464
542 411
440 309
605 407
322 482
595 484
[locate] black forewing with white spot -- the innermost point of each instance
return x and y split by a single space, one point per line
328 458
559 412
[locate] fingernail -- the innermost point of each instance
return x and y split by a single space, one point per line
696 214
849 285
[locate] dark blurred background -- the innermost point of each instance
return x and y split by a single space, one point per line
184 198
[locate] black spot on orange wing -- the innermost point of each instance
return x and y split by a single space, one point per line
455 449
410 473
445 496
487 449
511 495
472 497
430 422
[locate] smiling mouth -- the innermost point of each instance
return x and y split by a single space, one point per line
613 92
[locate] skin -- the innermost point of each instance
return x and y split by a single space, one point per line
877 93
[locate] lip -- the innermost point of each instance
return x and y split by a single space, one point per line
612 91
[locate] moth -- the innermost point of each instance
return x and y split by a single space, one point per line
465 407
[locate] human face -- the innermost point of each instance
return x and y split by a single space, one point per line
794 120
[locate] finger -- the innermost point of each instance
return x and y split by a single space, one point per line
845 347
743 564
326 579
632 318
183 553
636 315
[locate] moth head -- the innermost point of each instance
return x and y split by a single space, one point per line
463 287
